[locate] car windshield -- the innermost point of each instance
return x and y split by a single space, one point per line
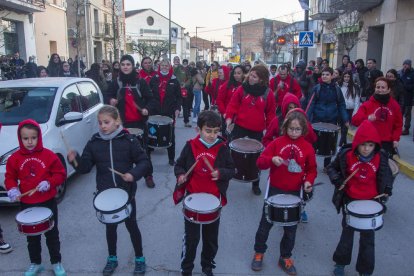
18 104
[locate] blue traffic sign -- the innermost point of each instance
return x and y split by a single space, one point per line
306 39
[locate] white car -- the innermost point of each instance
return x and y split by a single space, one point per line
63 107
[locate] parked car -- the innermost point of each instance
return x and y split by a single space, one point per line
65 108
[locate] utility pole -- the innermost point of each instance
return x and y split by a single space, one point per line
240 19
197 42
305 6
169 32
115 30
87 32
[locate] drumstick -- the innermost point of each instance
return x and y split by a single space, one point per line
75 163
378 196
30 192
208 164
191 169
116 172
348 178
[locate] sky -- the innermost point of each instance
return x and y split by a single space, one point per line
214 14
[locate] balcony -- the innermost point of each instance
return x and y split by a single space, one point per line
103 30
352 5
24 6
321 10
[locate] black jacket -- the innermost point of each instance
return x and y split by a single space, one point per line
144 98
172 100
224 164
120 153
337 174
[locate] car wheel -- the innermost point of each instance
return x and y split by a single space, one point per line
61 189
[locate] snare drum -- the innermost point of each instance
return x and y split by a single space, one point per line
283 209
365 214
112 205
201 208
139 133
245 152
327 142
35 221
394 167
160 131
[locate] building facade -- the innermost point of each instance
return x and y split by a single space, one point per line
51 38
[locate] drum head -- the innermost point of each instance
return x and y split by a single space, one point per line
284 199
160 120
325 127
246 145
110 199
135 131
202 202
364 207
34 214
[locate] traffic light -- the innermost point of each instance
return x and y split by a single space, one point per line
281 40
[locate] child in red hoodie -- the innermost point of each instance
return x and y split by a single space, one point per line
213 88
202 180
35 167
291 146
374 177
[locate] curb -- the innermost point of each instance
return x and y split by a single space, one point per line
405 167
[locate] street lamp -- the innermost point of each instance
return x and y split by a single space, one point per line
240 19
197 42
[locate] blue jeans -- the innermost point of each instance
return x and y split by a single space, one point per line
197 102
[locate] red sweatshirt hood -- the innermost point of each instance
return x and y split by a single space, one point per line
366 133
226 72
39 145
288 99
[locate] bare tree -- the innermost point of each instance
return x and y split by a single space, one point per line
270 47
154 49
349 30
3 13
290 32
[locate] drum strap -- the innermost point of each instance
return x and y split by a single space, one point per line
120 86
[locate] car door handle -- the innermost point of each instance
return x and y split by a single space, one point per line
88 121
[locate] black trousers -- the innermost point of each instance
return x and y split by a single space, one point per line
132 227
366 254
240 132
187 105
289 232
408 105
191 238
206 100
389 148
52 236
142 125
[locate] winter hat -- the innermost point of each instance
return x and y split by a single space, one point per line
128 57
301 64
407 61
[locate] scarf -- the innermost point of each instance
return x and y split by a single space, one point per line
255 89
382 98
130 79
112 135
162 86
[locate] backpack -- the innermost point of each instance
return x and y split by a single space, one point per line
120 86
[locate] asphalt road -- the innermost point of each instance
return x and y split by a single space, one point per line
161 223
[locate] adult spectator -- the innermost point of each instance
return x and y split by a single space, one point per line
66 72
95 73
55 66
407 78
397 88
42 72
31 68
272 71
78 69
361 69
345 60
115 70
304 80
17 66
370 76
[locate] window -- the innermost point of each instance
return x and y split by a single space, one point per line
150 20
69 102
89 95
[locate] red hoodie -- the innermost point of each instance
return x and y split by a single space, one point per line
25 169
287 148
363 185
252 113
224 96
295 90
273 129
389 119
213 89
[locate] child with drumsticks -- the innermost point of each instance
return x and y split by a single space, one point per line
32 176
115 152
360 171
292 164
211 174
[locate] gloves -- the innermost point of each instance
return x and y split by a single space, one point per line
43 186
13 194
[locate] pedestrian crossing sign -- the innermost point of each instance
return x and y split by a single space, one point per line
306 39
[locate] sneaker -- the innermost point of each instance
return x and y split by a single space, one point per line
194 119
111 264
140 266
149 180
339 270
33 269
187 125
257 263
5 247
304 217
207 272
405 132
171 162
59 270
256 190
286 264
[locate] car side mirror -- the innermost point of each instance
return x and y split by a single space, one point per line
71 117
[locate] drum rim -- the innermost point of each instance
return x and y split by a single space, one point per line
299 203
245 138
326 130
202 222
38 222
129 204
155 122
113 211
201 212
377 214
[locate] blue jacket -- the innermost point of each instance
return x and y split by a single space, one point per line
328 104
